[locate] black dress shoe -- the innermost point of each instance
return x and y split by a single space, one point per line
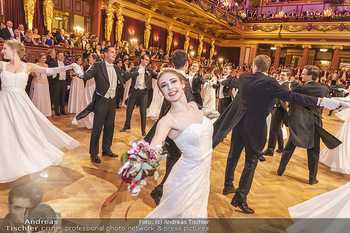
156 196
261 158
109 154
243 206
57 114
143 133
64 113
311 182
267 152
280 171
95 159
227 191
124 129
279 151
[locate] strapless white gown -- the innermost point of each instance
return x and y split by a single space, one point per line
156 104
29 142
186 190
338 159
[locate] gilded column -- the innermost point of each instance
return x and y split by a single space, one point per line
187 40
109 19
48 13
200 46
119 24
305 55
169 38
29 12
336 57
147 33
276 63
212 49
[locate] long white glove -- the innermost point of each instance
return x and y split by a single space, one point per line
330 103
55 70
78 70
210 113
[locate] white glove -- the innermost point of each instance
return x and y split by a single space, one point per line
330 103
210 113
341 89
78 70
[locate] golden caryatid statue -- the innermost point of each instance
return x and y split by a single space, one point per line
109 19
187 40
200 46
169 38
212 49
29 6
48 13
120 24
147 33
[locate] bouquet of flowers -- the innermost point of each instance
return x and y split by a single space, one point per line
69 58
139 162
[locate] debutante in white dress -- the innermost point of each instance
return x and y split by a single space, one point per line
157 101
339 158
29 142
75 94
40 94
328 212
186 190
126 92
209 94
89 90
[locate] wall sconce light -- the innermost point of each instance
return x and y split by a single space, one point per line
323 50
78 30
156 38
191 47
192 53
175 43
133 41
221 59
273 48
215 53
131 32
204 50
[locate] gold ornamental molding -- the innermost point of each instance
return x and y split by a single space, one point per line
340 47
119 24
187 40
306 46
110 9
200 46
212 49
169 38
29 6
147 33
279 45
48 13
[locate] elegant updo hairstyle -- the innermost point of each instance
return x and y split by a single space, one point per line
171 71
41 55
16 45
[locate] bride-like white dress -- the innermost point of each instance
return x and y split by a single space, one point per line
329 212
156 104
186 191
29 142
339 158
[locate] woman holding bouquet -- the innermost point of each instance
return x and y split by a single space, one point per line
186 190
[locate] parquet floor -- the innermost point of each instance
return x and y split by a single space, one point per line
79 188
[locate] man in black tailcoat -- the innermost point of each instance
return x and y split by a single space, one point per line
196 80
279 116
246 117
306 125
140 85
225 92
106 76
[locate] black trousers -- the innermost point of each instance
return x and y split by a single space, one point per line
276 129
119 95
239 140
104 115
60 90
223 104
313 155
142 97
198 98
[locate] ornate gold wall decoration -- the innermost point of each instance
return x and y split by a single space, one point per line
212 49
109 19
119 24
147 33
340 47
169 38
48 13
200 46
187 40
29 12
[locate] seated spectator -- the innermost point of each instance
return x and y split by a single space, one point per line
7 32
49 38
36 36
21 29
28 39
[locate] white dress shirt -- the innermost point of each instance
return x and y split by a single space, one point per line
62 74
11 32
140 80
221 89
112 77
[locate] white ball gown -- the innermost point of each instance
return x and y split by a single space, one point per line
157 101
209 94
75 94
29 141
89 90
339 158
324 213
40 94
186 190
